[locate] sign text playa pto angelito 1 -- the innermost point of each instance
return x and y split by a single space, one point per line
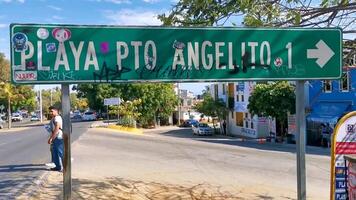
73 54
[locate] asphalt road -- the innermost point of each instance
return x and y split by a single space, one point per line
176 157
23 152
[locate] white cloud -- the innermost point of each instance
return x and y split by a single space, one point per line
115 1
57 17
133 17
10 1
4 25
54 7
151 1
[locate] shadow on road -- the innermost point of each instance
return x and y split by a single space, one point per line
118 188
16 178
235 141
22 168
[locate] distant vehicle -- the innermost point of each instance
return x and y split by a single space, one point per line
202 129
89 116
76 117
1 124
189 122
16 117
35 118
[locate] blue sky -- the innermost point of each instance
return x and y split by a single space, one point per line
89 12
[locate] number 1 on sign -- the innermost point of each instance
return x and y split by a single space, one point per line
289 47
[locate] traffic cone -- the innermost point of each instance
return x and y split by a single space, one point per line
261 141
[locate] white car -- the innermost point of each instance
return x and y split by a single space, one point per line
16 117
202 129
1 124
89 116
35 118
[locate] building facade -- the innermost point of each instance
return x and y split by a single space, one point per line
240 122
328 101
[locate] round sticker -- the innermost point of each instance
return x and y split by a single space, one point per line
19 42
42 33
278 62
61 34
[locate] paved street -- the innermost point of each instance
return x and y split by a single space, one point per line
23 152
173 164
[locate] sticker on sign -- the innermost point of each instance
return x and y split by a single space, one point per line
25 75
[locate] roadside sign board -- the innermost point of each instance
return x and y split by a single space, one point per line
42 53
343 144
112 101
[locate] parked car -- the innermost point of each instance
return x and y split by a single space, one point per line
35 118
189 122
16 117
76 117
1 124
202 129
89 116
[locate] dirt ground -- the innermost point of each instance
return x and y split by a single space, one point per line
122 189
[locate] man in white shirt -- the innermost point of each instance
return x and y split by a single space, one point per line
56 138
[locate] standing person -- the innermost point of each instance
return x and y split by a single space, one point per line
224 126
49 131
56 138
326 132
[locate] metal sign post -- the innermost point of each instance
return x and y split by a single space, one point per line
67 165
300 115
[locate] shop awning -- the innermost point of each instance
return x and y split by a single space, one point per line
328 112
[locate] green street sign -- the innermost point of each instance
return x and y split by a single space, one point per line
43 53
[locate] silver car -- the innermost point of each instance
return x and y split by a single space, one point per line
202 129
1 123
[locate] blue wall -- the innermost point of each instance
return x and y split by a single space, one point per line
316 94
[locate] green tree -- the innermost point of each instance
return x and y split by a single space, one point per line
96 93
158 100
273 99
211 107
5 69
128 111
78 103
20 96
277 13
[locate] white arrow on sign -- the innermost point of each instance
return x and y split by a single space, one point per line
323 53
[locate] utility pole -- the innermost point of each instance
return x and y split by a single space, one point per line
51 97
178 104
41 112
9 111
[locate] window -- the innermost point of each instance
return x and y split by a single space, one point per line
242 98
246 123
237 98
252 125
327 86
223 89
344 82
239 118
216 91
189 102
